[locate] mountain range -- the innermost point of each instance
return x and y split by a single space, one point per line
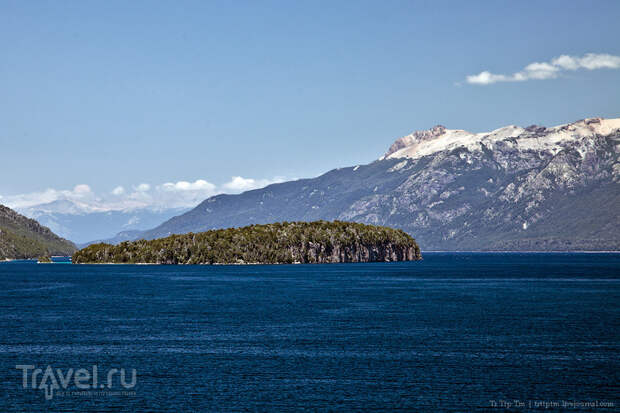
534 188
84 225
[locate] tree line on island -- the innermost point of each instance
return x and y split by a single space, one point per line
279 243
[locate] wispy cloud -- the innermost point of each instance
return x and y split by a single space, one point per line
181 194
549 70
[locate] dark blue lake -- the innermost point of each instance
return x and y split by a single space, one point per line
455 332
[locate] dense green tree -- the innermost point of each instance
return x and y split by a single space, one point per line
22 237
286 242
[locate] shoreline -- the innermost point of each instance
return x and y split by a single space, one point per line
526 252
9 260
239 263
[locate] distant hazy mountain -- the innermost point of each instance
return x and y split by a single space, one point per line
82 225
533 188
21 237
119 237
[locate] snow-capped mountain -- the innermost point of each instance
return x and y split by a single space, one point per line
535 138
514 188
83 223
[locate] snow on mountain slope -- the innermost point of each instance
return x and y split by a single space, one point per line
552 140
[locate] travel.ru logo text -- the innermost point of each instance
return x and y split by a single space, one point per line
52 379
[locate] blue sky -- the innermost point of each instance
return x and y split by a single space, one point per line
114 94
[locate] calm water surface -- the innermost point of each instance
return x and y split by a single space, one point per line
455 332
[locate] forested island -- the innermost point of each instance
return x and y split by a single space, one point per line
279 243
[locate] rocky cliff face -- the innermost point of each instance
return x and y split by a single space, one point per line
514 188
415 139
358 252
21 237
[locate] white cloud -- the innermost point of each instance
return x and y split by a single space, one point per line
119 190
549 70
591 61
566 62
181 194
240 184
81 189
198 185
485 78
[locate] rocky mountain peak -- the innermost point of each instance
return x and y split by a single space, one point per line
534 137
437 130
536 129
416 138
